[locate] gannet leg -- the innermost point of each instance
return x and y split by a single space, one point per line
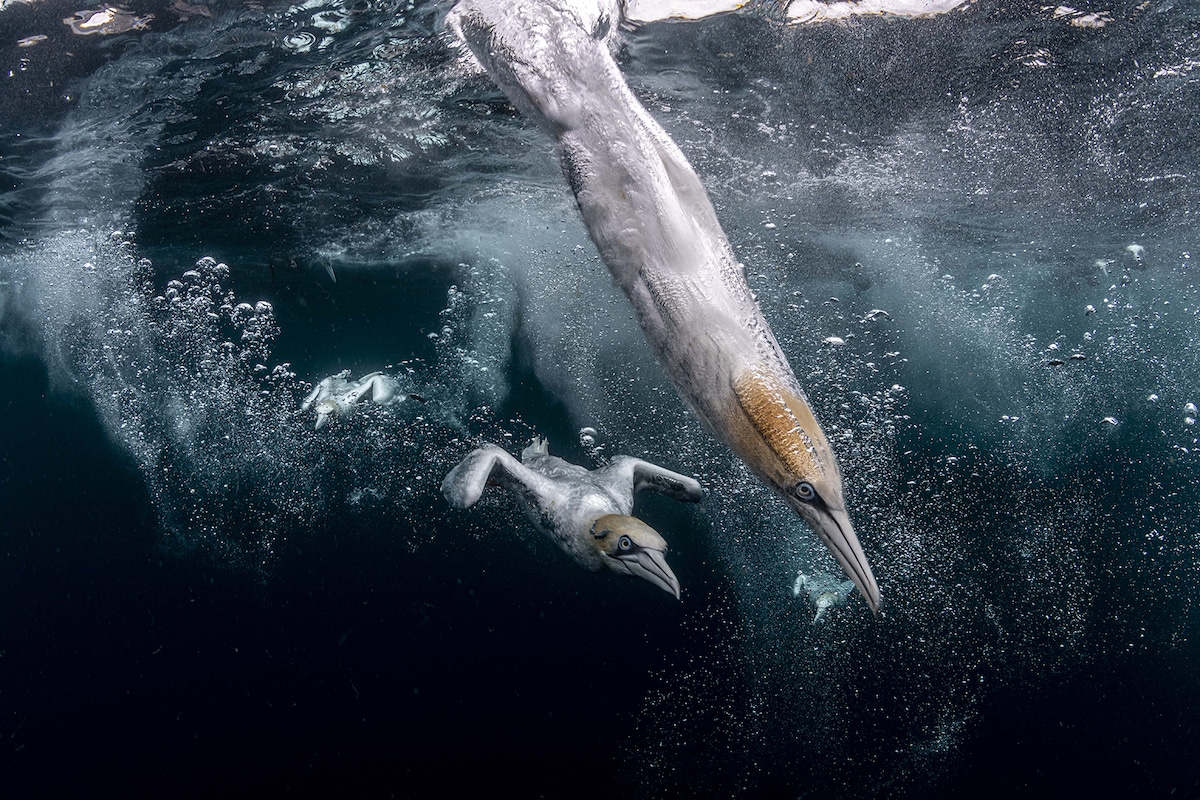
644 475
538 447
464 485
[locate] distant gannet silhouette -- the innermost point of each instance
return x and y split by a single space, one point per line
655 229
824 590
587 512
338 395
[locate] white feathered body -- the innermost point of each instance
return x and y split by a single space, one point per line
643 204
655 229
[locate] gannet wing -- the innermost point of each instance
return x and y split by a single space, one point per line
644 475
464 485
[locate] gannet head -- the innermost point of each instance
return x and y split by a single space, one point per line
326 409
631 547
780 439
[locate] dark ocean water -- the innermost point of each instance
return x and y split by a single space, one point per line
200 594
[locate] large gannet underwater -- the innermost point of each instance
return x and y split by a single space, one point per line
587 512
655 228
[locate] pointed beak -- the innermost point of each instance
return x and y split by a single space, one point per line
781 441
652 565
834 528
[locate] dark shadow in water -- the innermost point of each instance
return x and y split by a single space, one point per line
349 665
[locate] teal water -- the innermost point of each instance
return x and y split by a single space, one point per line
202 594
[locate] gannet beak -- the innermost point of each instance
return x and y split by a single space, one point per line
652 565
631 547
779 438
834 528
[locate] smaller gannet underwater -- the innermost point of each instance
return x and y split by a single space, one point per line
585 512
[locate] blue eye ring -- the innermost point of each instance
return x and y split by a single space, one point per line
805 491
624 543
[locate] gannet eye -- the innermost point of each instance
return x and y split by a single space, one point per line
805 491
624 543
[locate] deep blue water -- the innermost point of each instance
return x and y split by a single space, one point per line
201 594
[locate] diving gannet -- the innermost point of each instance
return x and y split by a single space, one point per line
824 590
587 512
338 395
654 226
